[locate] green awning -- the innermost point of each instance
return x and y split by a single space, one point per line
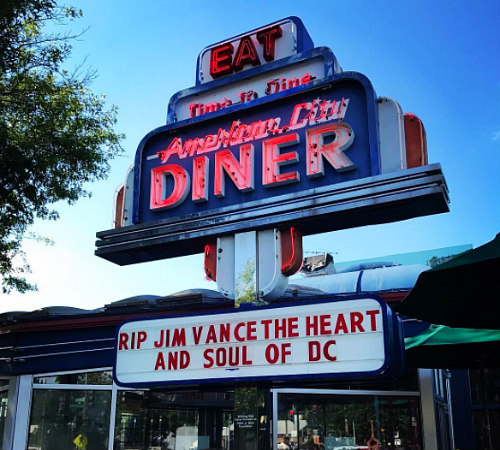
462 292
454 348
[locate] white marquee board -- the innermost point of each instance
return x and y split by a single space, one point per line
307 340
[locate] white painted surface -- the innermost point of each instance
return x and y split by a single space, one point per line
391 135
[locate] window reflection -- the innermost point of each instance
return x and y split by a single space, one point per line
310 422
173 421
4 397
83 378
62 418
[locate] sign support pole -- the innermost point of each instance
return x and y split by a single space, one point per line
249 267
246 274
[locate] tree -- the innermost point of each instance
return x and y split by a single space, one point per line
55 134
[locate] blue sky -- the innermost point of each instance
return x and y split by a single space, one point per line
439 60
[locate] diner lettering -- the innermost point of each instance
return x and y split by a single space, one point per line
325 141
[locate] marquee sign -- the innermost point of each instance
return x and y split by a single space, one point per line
343 338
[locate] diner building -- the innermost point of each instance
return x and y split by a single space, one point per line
57 390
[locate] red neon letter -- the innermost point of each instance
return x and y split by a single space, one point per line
158 198
333 152
251 330
267 38
240 172
272 353
324 324
341 325
293 325
208 355
200 179
197 334
246 54
237 334
272 160
314 350
285 351
220 60
327 354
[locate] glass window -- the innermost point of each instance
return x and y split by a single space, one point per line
485 386
328 422
484 421
165 421
4 396
95 378
67 419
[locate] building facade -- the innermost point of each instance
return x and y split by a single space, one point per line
58 391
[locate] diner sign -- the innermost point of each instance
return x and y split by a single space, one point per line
318 138
273 135
198 101
256 48
314 339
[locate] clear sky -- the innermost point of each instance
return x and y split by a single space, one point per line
439 60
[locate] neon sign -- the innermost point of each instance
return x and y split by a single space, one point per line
222 62
272 87
272 135
259 47
241 170
258 83
309 113
303 142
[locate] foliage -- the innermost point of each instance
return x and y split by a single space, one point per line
55 134
437 260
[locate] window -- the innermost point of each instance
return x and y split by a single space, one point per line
173 420
4 398
71 410
63 419
84 378
85 410
330 421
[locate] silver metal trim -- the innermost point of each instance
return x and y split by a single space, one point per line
61 343
73 387
24 357
383 198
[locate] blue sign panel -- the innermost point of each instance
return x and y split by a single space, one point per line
312 137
